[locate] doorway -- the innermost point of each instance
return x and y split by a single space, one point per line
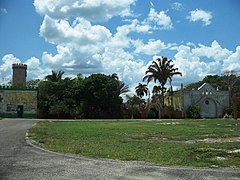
208 109
20 111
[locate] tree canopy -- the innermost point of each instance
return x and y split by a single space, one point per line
141 90
161 70
97 96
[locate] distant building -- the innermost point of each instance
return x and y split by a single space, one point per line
18 100
213 103
19 75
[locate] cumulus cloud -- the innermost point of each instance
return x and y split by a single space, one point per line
3 10
200 15
60 32
191 60
77 44
6 67
8 60
94 10
177 6
35 70
153 47
84 46
215 51
192 68
121 62
158 20
233 61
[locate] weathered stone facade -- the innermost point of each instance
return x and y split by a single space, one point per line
19 75
213 103
18 102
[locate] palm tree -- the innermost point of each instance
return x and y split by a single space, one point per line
161 70
134 101
141 89
156 90
122 88
55 76
114 76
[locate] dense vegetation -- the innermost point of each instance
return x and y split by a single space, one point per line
96 96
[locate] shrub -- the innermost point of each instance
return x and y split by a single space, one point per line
229 111
151 114
193 111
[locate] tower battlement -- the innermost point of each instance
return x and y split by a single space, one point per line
19 75
19 66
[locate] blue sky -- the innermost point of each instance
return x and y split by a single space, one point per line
119 36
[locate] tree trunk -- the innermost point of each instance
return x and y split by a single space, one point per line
162 96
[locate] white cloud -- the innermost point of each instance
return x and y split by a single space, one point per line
6 68
86 47
215 51
3 10
200 15
121 62
191 61
233 61
35 69
158 20
8 60
177 6
77 44
94 10
153 47
60 32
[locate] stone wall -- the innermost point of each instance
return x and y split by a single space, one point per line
213 103
19 75
11 98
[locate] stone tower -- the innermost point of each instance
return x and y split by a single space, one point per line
19 75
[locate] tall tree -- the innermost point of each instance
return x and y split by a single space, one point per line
114 76
230 78
135 102
141 90
161 70
55 76
57 97
156 90
101 99
122 88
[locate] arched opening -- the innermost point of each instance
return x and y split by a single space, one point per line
208 108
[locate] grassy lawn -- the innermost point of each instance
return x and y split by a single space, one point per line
208 143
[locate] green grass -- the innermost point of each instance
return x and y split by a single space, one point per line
178 142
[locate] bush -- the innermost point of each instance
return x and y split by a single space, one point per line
151 114
193 111
136 114
229 111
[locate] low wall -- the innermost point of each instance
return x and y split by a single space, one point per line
168 113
